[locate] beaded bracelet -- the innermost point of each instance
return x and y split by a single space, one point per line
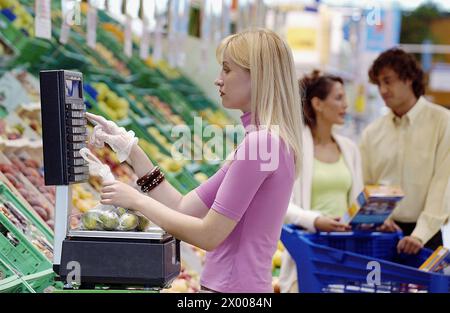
153 184
147 178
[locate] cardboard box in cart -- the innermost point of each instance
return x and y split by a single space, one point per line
373 206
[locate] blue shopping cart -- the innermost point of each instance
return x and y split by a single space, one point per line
342 262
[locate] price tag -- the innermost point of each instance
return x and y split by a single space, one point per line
183 29
42 21
226 18
64 34
157 47
91 27
128 45
145 40
205 34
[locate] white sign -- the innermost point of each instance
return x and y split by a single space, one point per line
128 45
64 34
91 27
205 34
183 26
303 36
43 22
157 47
145 40
440 78
173 32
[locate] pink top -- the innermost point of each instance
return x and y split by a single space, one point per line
256 196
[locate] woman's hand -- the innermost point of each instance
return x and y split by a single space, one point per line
109 127
326 224
409 245
116 137
389 226
120 194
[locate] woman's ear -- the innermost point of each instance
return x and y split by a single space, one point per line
316 104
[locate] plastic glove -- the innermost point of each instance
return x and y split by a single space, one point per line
96 167
116 137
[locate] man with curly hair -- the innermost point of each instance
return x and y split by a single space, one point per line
410 147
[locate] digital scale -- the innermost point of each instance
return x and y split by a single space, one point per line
150 259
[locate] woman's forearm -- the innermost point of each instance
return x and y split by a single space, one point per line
183 227
165 192
139 161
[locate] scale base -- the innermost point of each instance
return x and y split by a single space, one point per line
147 263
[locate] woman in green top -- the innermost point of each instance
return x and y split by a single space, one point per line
331 176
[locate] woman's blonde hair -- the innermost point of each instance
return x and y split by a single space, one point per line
275 95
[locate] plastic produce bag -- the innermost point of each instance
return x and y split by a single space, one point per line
109 217
104 217
96 167
101 217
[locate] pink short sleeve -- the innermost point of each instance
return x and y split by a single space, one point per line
245 175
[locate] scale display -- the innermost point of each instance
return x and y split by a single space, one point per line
63 127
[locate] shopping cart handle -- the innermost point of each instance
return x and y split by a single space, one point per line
290 228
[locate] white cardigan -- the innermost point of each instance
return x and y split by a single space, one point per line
299 210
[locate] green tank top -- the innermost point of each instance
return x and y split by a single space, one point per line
331 185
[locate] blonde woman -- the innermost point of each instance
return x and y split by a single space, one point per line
331 172
237 214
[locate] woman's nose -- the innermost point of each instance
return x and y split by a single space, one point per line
218 82
345 105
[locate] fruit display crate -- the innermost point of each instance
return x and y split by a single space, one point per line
16 286
42 282
18 252
39 203
7 274
8 196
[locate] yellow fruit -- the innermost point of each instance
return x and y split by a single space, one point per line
201 177
149 62
111 98
276 260
153 131
110 112
280 246
121 113
150 149
175 166
76 202
102 90
170 165
179 285
85 206
122 103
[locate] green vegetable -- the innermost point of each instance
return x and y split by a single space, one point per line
109 220
128 221
90 220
